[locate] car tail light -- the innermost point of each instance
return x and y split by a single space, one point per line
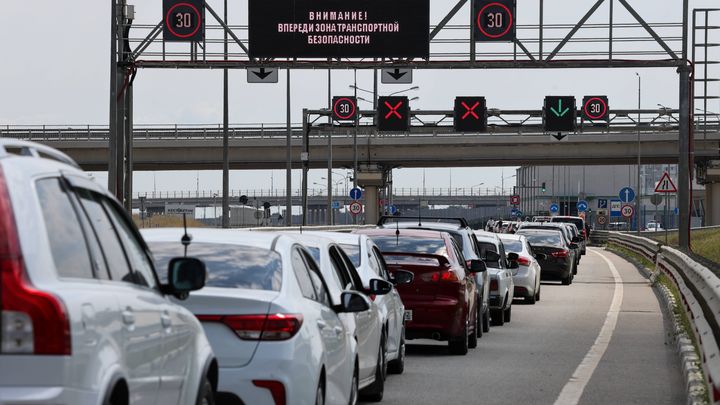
523 261
446 275
494 285
276 388
259 327
560 253
31 321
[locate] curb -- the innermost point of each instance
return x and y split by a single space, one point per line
695 386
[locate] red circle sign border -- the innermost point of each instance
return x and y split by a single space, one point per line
344 117
509 27
169 26
632 211
358 208
595 117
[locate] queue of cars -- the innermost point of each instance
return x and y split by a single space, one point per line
94 312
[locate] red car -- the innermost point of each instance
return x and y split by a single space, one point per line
441 302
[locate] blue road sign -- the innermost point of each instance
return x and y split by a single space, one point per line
520 213
393 210
356 194
336 205
554 208
627 195
602 204
582 206
677 211
514 211
616 208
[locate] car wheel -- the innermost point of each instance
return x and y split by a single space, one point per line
567 280
480 324
459 344
320 393
496 315
205 393
507 314
375 391
531 299
354 389
397 366
486 321
537 295
473 339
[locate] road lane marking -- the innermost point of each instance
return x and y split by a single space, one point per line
573 390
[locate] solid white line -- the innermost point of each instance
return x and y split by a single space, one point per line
573 390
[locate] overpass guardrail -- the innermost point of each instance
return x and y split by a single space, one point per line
699 288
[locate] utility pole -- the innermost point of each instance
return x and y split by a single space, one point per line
638 213
288 168
226 136
684 166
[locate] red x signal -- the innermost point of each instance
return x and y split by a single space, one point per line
393 110
471 110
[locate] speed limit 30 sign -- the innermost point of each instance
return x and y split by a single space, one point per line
494 20
627 211
184 20
356 208
344 108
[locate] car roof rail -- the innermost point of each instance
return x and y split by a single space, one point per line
462 222
32 149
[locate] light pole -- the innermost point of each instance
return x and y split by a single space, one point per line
638 214
414 88
476 185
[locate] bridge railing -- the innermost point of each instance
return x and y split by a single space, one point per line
699 287
340 194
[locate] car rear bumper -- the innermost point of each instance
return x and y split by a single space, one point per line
443 317
47 395
524 285
554 271
237 383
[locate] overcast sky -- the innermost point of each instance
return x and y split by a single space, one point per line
55 70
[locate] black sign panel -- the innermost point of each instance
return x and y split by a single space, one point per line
595 108
494 20
560 114
184 20
344 108
470 114
393 114
339 28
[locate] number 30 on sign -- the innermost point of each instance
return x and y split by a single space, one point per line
494 20
184 20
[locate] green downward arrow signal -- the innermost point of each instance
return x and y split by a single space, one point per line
559 112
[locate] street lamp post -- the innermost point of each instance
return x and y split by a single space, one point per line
638 214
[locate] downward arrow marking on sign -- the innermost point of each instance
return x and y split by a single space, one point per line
559 112
262 74
559 136
397 74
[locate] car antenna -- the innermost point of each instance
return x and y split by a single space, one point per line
186 239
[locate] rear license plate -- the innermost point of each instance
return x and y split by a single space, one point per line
408 315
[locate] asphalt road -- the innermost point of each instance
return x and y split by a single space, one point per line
533 359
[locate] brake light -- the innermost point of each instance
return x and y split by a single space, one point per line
31 321
523 261
259 327
447 275
560 253
276 388
494 285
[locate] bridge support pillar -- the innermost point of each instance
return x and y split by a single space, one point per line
712 204
371 178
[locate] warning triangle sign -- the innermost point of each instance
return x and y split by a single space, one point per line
666 185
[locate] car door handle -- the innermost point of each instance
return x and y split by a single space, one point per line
128 317
338 331
321 324
166 320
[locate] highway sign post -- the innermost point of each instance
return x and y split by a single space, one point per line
470 114
262 75
627 195
356 193
559 115
393 114
396 76
355 208
344 108
339 29
494 20
184 20
595 108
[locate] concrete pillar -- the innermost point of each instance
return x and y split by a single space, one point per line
712 204
372 211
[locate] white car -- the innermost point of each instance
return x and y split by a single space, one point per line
654 227
85 319
366 327
269 316
502 287
370 264
527 276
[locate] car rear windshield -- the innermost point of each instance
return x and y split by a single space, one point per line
432 246
577 221
542 238
353 252
513 245
228 266
391 259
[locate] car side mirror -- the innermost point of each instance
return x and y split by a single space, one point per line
541 256
380 287
574 246
513 265
576 239
477 266
513 257
491 256
401 277
185 274
352 301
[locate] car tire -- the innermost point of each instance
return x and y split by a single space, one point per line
206 396
486 321
397 366
459 345
567 280
320 393
497 318
507 314
375 391
537 295
480 325
473 339
531 299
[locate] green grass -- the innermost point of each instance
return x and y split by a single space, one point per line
704 242
629 253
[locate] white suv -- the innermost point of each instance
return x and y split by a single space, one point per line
84 318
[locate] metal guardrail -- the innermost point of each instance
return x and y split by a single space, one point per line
700 291
336 228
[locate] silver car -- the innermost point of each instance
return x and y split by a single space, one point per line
527 276
502 287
